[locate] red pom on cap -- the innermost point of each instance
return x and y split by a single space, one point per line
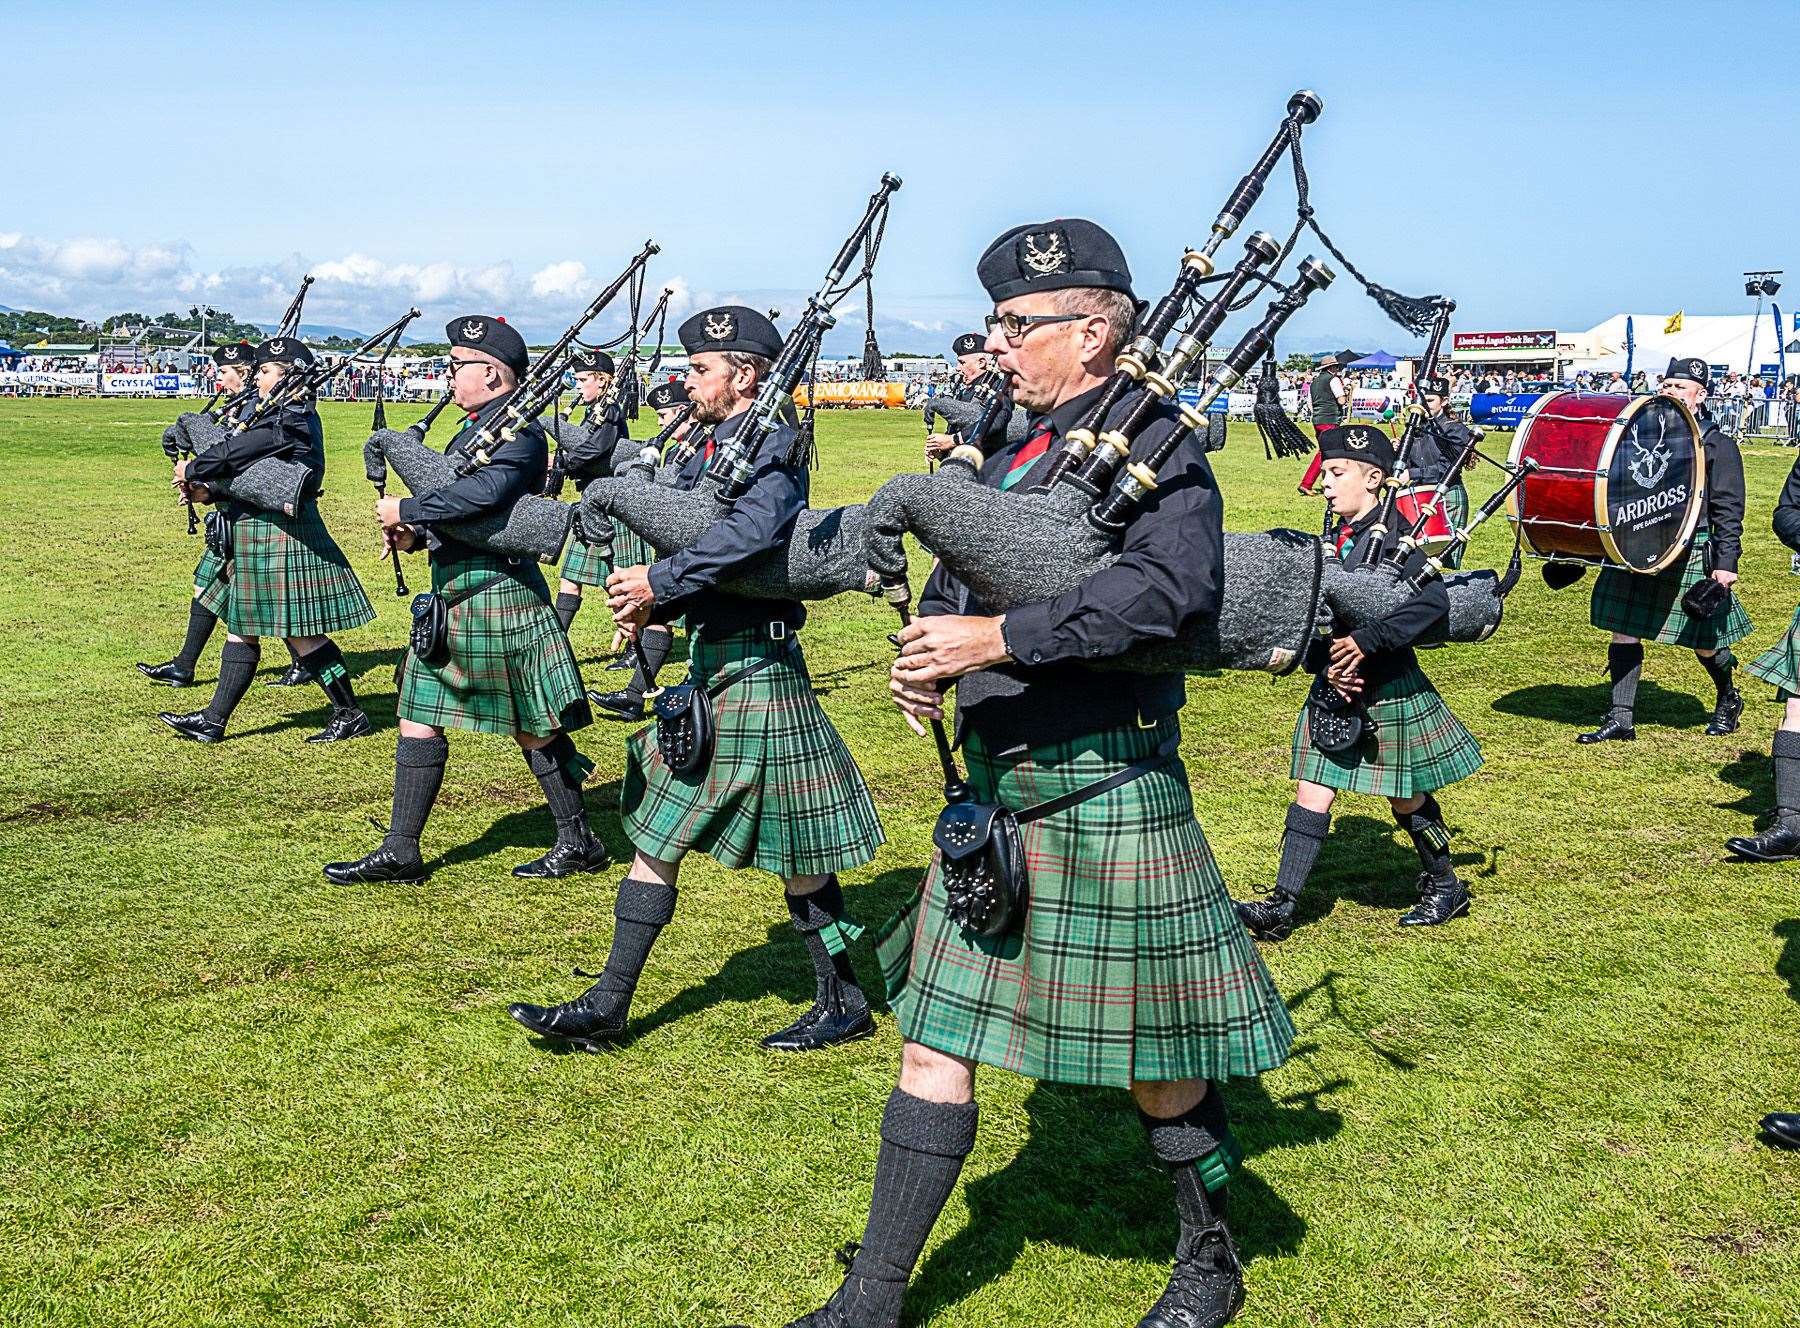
499 318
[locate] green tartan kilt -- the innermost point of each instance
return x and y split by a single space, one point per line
586 564
1456 511
1417 745
629 548
286 577
207 570
1130 963
1779 665
782 791
1649 607
510 668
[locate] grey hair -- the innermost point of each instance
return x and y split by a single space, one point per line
1114 306
743 359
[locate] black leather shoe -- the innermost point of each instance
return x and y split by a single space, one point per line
170 674
1725 714
840 1015
1270 919
627 660
195 727
618 705
382 865
586 1023
1779 843
1782 1128
1440 899
565 858
871 1303
345 723
294 675
1612 729
1206 1288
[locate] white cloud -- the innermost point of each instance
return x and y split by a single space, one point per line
568 277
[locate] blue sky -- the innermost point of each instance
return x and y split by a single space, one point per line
1547 165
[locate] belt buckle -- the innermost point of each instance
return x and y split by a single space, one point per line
778 631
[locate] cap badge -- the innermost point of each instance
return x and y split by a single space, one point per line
720 327
278 347
1046 253
473 329
1356 441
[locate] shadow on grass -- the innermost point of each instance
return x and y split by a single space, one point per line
1787 967
531 831
1087 1180
1754 772
1368 861
1584 707
823 684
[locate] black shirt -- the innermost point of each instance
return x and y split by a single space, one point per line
1388 645
589 452
759 524
515 469
294 434
1787 510
1436 445
1724 493
1169 572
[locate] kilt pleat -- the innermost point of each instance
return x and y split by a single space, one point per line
782 791
586 564
1456 511
1649 607
630 549
1779 665
1130 963
1417 745
207 570
286 577
510 668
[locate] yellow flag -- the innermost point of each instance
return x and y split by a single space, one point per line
1673 326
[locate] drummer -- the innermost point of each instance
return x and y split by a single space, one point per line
1436 446
1639 606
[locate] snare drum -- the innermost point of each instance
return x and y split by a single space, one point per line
1620 479
1434 537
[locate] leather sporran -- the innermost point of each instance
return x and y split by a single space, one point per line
218 533
982 867
1336 723
684 727
429 638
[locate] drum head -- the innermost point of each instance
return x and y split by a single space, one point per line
1653 491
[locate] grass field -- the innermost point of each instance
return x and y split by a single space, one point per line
233 1093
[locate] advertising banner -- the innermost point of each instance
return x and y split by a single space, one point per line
878 395
148 384
1535 340
1501 410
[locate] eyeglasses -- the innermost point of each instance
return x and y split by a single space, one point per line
456 364
1015 326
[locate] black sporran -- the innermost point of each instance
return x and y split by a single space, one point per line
1335 722
430 635
684 727
982 866
218 534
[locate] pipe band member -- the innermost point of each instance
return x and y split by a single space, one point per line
1635 607
1129 968
1412 747
972 361
1436 446
1779 666
586 451
781 791
281 575
506 666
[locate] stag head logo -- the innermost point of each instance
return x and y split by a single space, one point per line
1045 253
278 347
473 329
720 327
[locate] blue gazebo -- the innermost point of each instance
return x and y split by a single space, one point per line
8 353
1374 360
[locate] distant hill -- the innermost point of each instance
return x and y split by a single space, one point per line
319 331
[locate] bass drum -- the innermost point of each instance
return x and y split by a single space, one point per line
1620 479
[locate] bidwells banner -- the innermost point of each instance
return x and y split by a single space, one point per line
1501 410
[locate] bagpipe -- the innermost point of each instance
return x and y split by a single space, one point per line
576 456
824 554
974 414
274 483
535 526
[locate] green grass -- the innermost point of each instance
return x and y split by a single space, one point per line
236 1094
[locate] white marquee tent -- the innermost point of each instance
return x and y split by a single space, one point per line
1722 340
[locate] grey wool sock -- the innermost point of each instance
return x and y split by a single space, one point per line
1718 666
567 606
556 765
1201 1154
641 911
418 775
237 666
653 647
1785 751
820 920
201 621
326 665
1430 836
1624 663
1300 845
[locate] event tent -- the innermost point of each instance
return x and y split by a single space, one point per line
1379 359
1722 340
8 353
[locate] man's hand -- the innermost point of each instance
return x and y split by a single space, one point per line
181 471
387 511
936 649
916 703
1344 670
1724 578
939 445
403 538
630 598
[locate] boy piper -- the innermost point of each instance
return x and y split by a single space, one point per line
1417 746
507 667
781 791
1779 665
1436 447
1634 606
282 575
1129 968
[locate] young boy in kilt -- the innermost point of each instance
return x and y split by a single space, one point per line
1636 607
1779 666
781 791
1129 968
1412 745
283 575
507 666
